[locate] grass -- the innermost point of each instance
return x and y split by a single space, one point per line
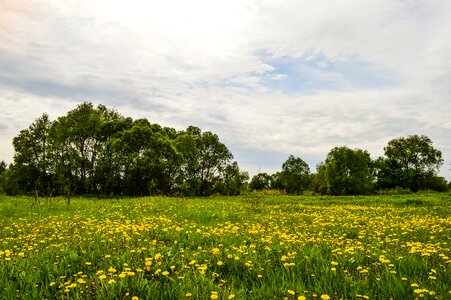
249 247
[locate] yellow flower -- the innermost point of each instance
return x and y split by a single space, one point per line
188 295
157 256
219 263
231 296
325 297
334 263
301 298
165 273
52 283
291 292
111 281
135 298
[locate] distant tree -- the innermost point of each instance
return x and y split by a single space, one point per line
3 167
409 161
233 180
319 183
260 181
276 181
295 175
348 172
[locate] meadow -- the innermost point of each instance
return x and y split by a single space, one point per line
249 247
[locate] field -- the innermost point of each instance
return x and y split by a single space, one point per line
248 247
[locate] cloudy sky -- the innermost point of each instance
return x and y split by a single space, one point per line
270 77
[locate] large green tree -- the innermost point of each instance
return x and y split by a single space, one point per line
409 162
348 172
79 138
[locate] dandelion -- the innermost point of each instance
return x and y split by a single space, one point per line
291 292
324 297
231 296
220 263
188 295
135 298
165 273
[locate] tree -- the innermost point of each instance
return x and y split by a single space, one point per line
205 159
409 161
295 175
260 181
233 180
32 158
348 172
79 139
319 182
3 168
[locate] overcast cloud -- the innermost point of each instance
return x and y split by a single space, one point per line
271 78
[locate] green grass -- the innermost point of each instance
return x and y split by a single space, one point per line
249 247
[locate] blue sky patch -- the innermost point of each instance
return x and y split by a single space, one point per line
316 72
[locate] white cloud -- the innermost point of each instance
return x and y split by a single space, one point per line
201 63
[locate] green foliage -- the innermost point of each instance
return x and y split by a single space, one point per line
348 172
411 163
261 181
94 150
295 175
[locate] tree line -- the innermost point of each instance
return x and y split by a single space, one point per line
96 151
409 164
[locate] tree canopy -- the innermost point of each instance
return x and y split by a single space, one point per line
410 162
95 150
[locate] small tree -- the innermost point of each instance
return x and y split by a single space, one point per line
295 175
260 181
348 172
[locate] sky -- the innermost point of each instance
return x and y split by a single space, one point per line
270 77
